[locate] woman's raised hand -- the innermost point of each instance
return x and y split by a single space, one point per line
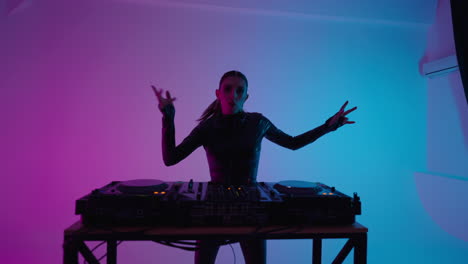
340 118
162 101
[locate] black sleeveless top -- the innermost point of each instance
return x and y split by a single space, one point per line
232 143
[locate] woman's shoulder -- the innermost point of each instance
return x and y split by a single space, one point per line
205 123
256 115
258 118
244 115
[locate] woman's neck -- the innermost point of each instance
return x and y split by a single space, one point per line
232 113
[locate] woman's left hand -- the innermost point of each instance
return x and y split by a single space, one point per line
340 119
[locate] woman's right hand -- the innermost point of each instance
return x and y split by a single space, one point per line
163 102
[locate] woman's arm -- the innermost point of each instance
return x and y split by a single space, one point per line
333 123
279 137
172 154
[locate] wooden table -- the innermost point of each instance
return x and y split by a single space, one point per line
76 235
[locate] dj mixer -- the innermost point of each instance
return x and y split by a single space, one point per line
155 202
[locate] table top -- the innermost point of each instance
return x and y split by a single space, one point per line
78 230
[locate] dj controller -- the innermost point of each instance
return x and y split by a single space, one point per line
155 202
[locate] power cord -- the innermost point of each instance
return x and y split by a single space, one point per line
234 253
97 246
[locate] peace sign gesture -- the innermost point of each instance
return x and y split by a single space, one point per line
340 119
163 101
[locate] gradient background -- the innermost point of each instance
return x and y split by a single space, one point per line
77 112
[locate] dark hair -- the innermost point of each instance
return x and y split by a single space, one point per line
215 108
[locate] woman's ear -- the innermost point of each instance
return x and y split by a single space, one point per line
217 93
247 97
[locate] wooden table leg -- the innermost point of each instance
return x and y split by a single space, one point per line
360 249
70 251
111 252
317 251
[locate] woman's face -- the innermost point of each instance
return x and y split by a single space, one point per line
232 95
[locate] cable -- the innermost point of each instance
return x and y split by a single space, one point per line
103 256
170 244
234 253
98 245
182 242
195 244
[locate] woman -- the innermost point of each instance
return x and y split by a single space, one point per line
232 140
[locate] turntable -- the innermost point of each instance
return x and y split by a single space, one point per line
298 188
139 186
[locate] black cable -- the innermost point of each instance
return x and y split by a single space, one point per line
103 256
195 248
98 245
182 242
176 246
227 242
234 253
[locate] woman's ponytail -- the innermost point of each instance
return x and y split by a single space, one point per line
213 109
